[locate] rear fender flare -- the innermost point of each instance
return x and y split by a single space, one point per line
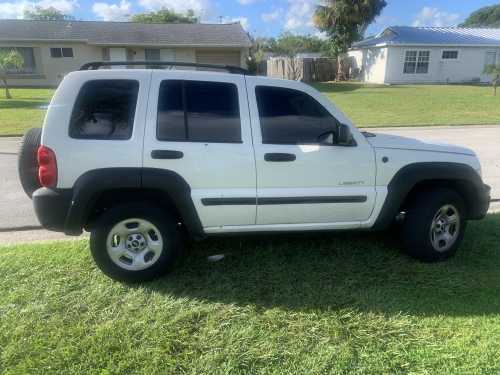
91 184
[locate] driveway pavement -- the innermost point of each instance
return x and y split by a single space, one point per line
16 211
15 207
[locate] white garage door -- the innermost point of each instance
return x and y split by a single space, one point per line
218 57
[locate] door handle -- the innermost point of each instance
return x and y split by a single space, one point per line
166 154
279 157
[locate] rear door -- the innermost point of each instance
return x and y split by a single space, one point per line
202 120
300 179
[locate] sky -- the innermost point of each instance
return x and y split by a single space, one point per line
259 17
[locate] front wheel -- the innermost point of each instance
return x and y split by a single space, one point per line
135 242
434 225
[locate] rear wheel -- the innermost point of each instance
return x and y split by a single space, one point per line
135 242
27 163
434 225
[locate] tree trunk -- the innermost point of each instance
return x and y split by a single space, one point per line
339 68
7 92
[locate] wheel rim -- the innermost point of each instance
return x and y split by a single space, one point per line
445 228
134 244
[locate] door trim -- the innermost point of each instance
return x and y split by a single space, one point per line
284 200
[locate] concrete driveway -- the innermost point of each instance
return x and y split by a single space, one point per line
16 211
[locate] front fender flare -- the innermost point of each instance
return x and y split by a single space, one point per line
409 176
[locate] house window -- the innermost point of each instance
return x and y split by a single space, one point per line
61 52
29 65
152 54
449 55
491 58
416 62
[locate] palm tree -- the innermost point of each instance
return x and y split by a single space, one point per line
8 60
494 70
345 21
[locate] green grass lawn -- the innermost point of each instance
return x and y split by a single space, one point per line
407 105
331 303
366 105
23 111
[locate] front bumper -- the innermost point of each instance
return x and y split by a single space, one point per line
52 207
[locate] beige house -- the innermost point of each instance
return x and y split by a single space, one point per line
51 49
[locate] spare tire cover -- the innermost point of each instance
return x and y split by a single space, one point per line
27 163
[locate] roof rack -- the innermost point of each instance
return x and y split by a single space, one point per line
95 65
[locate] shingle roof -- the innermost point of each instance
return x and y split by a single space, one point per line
406 35
98 32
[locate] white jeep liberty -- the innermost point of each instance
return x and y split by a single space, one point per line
143 157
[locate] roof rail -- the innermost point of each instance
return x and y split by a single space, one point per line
95 65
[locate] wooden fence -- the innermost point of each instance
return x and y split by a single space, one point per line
302 69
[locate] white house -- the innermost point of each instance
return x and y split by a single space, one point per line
403 54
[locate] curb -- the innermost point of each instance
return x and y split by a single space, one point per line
21 229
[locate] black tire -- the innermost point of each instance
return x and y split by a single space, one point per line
419 220
167 226
27 164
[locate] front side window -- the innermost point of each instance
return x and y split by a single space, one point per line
290 116
416 62
198 111
104 109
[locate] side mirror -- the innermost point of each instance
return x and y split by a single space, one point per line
344 137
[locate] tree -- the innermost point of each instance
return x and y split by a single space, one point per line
165 15
485 17
8 60
345 21
287 45
302 43
494 70
46 14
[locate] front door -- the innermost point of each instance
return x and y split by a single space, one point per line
302 176
200 129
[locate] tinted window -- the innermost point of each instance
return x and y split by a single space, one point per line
171 122
291 117
198 111
105 109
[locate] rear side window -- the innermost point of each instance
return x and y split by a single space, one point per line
104 109
198 111
290 116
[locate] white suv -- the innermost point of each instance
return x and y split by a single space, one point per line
143 157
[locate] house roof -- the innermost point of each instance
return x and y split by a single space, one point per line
126 33
406 35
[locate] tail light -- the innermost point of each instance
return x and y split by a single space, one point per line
47 167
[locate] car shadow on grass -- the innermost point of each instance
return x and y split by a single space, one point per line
355 270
